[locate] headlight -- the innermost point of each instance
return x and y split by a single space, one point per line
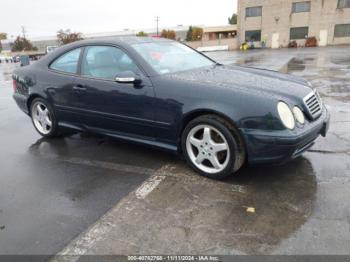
286 115
299 115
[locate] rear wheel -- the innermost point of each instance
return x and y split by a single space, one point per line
212 147
43 118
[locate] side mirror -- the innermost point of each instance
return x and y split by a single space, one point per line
128 77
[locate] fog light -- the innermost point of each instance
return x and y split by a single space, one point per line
299 115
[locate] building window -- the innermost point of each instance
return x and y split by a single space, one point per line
253 11
299 33
342 30
343 4
253 35
300 7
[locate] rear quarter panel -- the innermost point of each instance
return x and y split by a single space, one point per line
25 78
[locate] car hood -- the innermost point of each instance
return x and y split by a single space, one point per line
248 79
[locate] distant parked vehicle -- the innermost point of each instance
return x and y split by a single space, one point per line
16 59
34 58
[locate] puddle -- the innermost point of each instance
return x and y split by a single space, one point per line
328 71
341 61
250 60
295 65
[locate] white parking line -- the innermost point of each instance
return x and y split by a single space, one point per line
86 241
148 186
96 232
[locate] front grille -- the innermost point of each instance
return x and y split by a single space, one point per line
313 104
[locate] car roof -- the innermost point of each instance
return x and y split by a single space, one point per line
122 40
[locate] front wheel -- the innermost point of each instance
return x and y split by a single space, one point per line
43 118
212 147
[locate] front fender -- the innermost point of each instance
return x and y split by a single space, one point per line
244 110
179 101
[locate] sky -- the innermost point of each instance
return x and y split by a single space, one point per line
46 17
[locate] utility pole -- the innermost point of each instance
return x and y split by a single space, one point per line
24 31
157 20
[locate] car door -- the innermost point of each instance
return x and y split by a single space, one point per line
110 106
60 86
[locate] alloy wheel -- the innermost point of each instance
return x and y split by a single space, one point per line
41 118
208 149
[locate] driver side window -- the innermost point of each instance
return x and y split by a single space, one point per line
106 62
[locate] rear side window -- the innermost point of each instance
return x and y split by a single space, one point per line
68 62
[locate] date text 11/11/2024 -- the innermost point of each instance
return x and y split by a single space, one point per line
173 258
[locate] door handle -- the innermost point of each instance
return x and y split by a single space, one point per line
79 88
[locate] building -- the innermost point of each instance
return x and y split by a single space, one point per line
219 32
217 38
278 22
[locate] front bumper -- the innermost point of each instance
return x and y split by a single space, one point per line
264 146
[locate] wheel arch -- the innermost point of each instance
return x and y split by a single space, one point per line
201 112
229 123
30 100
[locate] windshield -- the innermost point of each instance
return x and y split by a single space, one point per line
171 57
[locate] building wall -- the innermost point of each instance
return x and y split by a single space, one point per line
277 18
231 43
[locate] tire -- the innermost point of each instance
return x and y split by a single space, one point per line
44 120
216 153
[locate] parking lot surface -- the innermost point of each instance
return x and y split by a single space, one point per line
52 190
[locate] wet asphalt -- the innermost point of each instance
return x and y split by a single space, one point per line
326 228
52 190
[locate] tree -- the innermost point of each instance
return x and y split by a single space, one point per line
197 33
3 36
22 44
194 33
189 34
171 34
141 33
66 36
233 19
